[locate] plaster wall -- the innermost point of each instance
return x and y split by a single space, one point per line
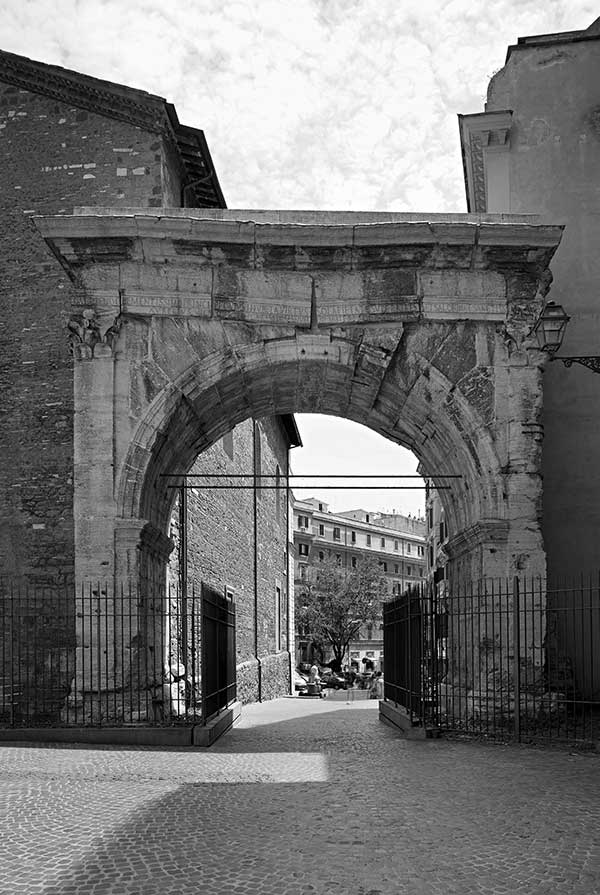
554 170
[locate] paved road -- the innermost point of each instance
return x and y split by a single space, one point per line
303 797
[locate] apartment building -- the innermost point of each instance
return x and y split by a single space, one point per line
395 540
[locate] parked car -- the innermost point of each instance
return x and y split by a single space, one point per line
333 679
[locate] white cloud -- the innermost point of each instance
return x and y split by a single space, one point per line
305 103
325 104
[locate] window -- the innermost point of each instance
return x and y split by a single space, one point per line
336 534
302 521
353 537
321 507
409 570
383 566
303 549
395 545
321 556
367 517
396 568
431 557
303 572
368 540
321 530
383 542
338 559
354 562
420 573
421 550
370 634
408 548
228 444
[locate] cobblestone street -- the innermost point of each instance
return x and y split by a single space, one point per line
302 797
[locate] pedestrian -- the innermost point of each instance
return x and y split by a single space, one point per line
314 679
349 677
376 689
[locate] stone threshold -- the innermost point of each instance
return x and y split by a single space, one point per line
203 735
396 716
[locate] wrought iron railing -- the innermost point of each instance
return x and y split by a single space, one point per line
100 655
515 659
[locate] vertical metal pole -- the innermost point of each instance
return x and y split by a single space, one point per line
255 457
517 657
183 570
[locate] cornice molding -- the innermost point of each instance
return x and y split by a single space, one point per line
94 95
478 133
135 107
492 531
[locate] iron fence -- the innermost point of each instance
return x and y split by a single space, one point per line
516 659
100 655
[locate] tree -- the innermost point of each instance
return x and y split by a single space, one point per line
333 602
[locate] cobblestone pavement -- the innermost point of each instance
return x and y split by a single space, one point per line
302 797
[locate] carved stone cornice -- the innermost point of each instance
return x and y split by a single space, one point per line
156 542
135 107
486 532
102 97
487 130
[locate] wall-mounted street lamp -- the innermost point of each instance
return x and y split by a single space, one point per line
549 331
550 327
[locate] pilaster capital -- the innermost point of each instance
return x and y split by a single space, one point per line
89 338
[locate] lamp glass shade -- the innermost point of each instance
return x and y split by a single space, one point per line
550 327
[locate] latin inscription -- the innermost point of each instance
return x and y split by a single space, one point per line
189 305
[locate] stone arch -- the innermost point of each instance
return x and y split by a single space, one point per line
420 329
206 401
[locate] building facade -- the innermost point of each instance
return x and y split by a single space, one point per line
536 150
229 528
396 541
70 140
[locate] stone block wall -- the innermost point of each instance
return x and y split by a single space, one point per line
54 156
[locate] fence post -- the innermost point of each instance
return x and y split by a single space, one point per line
517 657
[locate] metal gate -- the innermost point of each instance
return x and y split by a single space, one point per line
218 652
404 648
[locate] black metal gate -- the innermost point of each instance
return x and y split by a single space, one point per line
404 628
218 652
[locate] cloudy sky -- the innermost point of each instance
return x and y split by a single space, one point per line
326 104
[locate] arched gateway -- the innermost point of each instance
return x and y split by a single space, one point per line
193 320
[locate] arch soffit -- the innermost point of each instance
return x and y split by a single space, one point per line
212 396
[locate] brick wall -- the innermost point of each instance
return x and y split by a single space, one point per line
54 156
221 551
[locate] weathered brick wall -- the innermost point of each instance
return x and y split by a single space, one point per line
221 552
54 157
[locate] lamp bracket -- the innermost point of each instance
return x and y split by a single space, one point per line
592 362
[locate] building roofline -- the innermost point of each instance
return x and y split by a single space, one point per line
356 523
122 103
559 37
288 421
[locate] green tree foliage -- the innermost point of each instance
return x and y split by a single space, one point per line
333 603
